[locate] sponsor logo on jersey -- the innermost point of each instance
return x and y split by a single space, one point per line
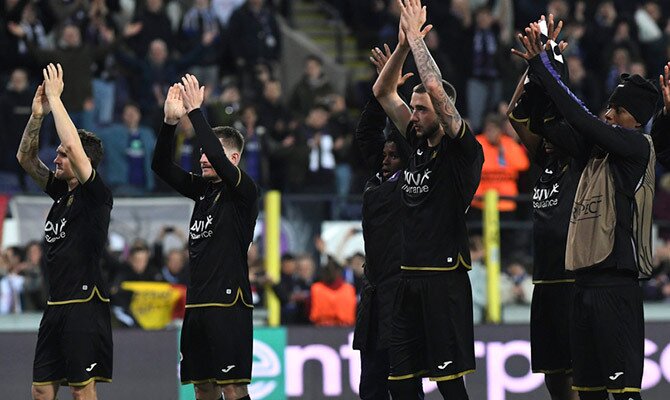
54 231
200 228
545 197
417 182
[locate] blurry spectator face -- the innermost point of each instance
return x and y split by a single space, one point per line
432 40
492 130
288 266
139 260
606 13
620 58
13 258
175 262
306 268
560 9
71 37
158 52
423 115
654 10
576 69
249 116
28 14
391 161
230 95
337 104
34 253
616 115
622 31
357 262
638 68
317 118
18 82
516 270
484 18
63 167
256 4
252 253
201 4
154 6
313 69
272 91
131 116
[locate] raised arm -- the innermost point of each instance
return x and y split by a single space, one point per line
660 130
193 95
412 18
385 88
163 164
67 132
615 140
518 114
27 155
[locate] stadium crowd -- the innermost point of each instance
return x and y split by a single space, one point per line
121 57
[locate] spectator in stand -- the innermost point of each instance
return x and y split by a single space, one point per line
15 105
12 284
516 285
128 149
137 267
150 78
175 269
333 301
321 175
254 162
484 87
342 127
28 31
34 296
619 64
662 204
503 160
599 33
254 34
149 23
583 84
225 109
224 9
291 293
353 271
478 279
312 89
197 21
78 58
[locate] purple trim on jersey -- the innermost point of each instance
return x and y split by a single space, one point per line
547 64
395 176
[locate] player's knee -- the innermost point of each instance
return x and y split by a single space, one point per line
453 389
42 392
597 395
404 389
207 391
627 396
83 393
235 392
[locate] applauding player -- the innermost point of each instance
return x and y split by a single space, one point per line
216 340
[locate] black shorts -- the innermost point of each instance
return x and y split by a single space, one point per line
217 345
74 345
432 333
608 338
550 328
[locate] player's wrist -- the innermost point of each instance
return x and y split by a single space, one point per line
37 116
171 121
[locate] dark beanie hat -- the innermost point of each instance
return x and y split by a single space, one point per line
637 95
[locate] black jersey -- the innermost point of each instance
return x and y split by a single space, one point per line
75 234
553 195
437 189
223 220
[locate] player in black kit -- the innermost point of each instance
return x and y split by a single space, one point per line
609 234
432 328
660 130
74 342
216 340
382 211
553 195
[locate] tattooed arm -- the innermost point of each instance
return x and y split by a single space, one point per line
27 155
412 18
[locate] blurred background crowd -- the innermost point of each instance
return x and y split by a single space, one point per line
120 56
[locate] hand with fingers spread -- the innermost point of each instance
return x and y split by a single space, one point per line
192 93
412 18
40 107
664 81
53 80
174 105
530 41
379 59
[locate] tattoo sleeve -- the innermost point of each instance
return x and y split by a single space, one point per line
28 153
431 77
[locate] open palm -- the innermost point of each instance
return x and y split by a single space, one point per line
40 106
174 105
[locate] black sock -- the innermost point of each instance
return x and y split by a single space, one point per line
453 389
